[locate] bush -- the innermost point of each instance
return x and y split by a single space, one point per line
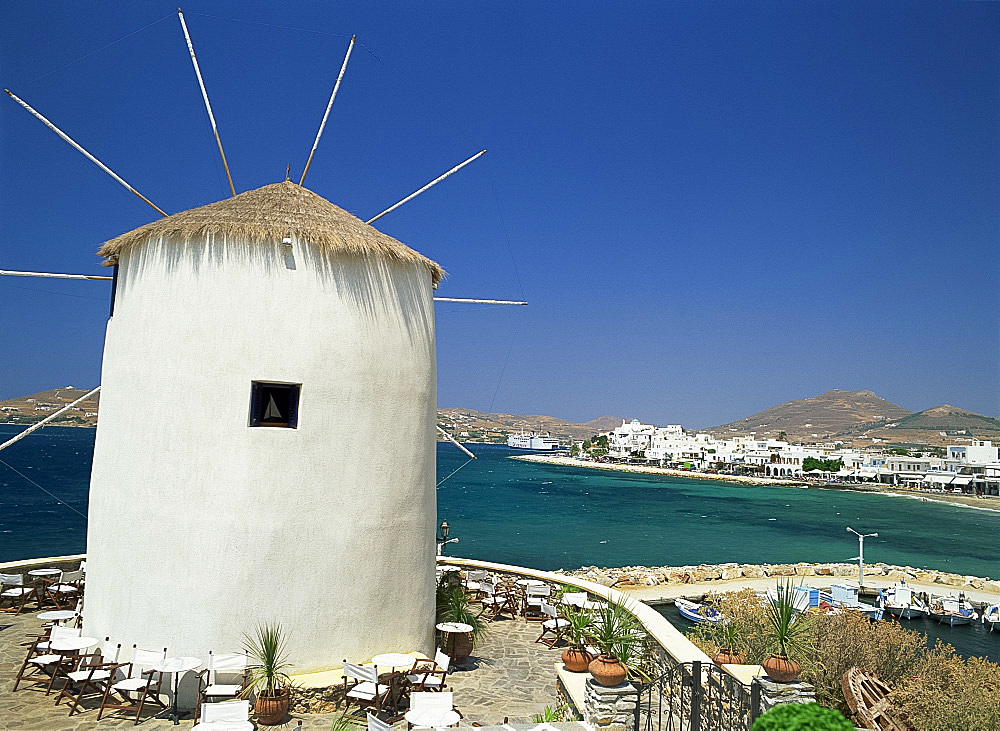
841 641
747 617
802 717
946 693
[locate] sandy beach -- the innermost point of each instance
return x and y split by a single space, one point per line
969 501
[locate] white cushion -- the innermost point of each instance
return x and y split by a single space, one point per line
63 588
16 591
131 684
431 679
45 659
79 676
220 689
364 691
555 623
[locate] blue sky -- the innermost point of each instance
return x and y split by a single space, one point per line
712 207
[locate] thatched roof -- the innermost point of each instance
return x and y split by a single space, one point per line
269 214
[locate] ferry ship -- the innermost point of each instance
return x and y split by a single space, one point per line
526 440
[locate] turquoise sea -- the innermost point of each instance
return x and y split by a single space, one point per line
553 517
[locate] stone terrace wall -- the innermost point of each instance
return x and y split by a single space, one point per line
631 577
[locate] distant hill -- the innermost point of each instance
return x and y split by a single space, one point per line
36 406
938 425
480 426
829 414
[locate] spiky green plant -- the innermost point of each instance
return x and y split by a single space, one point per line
550 714
578 630
614 626
785 628
268 660
343 722
454 605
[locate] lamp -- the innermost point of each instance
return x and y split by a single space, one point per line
861 553
445 529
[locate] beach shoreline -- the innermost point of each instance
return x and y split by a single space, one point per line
967 501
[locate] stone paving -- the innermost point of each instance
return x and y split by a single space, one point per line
509 675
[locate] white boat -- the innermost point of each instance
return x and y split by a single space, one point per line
952 612
697 612
845 596
530 440
900 602
992 616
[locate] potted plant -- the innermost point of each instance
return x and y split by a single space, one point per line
576 657
614 628
784 634
728 654
266 675
454 605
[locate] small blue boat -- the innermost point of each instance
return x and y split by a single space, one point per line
698 612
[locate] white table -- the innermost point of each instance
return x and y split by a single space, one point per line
177 666
454 627
432 717
41 573
530 582
72 644
56 615
393 660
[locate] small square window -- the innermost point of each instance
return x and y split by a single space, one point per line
274 404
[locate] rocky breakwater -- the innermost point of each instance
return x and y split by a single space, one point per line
642 577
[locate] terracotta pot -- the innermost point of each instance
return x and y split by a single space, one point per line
780 669
271 710
576 661
607 671
728 656
459 646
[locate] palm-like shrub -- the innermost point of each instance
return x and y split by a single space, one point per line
267 660
580 626
786 628
454 605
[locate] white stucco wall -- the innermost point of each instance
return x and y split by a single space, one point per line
201 526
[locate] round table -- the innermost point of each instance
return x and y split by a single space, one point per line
56 615
530 582
432 717
452 631
177 666
41 573
393 660
72 644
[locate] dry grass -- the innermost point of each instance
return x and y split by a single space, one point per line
269 214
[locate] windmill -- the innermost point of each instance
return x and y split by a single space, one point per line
282 466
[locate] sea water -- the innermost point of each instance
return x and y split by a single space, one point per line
552 517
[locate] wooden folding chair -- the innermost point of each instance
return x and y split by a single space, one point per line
139 683
14 591
533 598
365 690
224 677
553 627
39 664
92 673
429 675
225 716
65 591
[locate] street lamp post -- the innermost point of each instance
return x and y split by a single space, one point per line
443 539
861 553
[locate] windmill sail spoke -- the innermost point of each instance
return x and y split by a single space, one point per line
204 94
329 106
80 149
431 184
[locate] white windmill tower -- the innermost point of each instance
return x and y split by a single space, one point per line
266 447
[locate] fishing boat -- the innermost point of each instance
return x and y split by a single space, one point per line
992 616
953 612
900 602
698 613
845 596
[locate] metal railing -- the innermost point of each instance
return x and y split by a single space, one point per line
693 696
